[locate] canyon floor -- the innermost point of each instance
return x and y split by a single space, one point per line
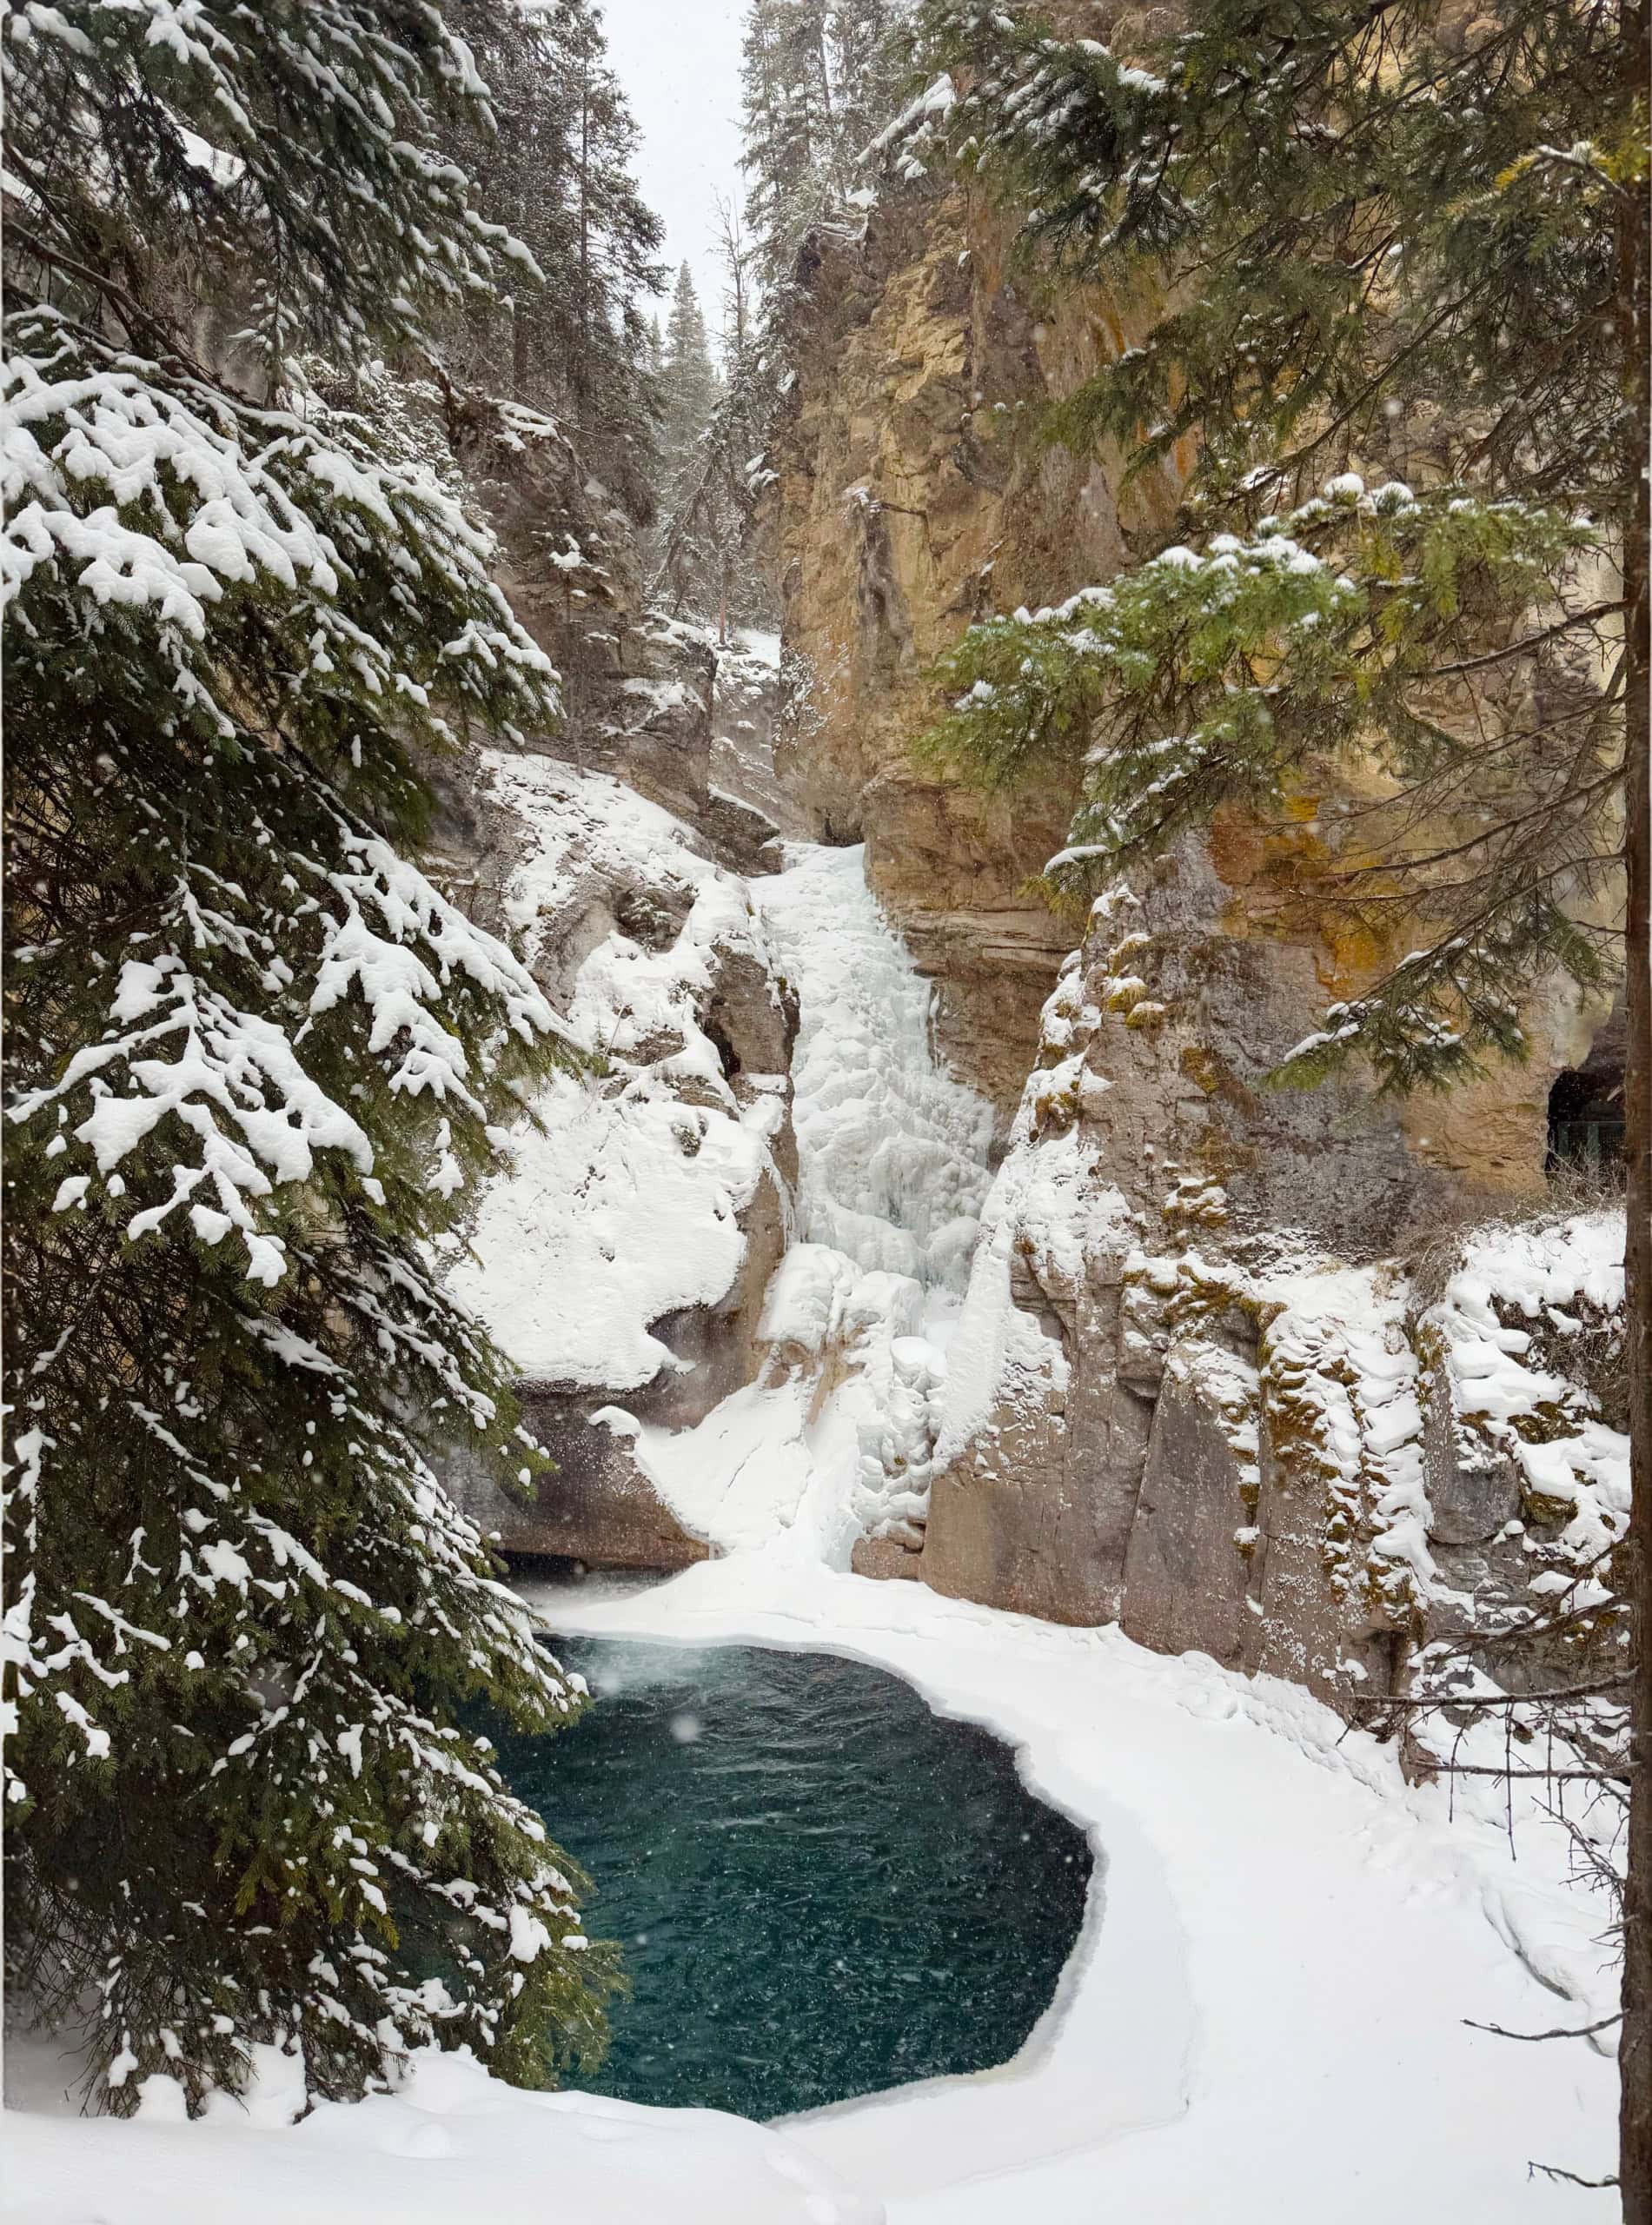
1267 2017
1272 2013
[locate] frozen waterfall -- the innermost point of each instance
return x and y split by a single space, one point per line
836 1438
892 1150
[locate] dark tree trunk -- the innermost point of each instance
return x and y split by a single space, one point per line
519 353
584 240
1635 2164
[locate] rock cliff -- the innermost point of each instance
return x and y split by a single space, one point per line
614 854
1308 1382
904 502
1193 1389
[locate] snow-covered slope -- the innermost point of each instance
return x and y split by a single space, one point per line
624 1199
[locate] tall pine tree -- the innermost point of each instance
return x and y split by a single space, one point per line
701 522
254 1057
557 163
689 381
1397 246
819 82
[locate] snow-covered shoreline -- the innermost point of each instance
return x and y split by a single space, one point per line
1264 2015
1264 2018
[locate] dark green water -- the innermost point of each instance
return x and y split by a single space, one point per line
822 1888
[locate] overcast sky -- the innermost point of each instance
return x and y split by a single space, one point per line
679 61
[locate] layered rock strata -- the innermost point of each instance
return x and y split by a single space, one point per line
1190 1394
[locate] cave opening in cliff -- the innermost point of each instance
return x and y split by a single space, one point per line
1586 1118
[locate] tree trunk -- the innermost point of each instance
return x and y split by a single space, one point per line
583 386
1635 2162
519 352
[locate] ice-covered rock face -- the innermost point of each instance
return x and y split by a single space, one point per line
769 1295
892 1150
746 1240
834 1441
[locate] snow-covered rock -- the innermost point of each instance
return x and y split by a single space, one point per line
1221 1431
833 1440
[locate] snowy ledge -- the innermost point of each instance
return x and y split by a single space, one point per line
1262 2022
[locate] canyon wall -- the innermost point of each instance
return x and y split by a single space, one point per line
1241 1369
906 501
613 852
1188 1392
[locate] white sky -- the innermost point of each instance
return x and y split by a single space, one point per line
679 61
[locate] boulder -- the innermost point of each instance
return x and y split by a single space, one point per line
599 1508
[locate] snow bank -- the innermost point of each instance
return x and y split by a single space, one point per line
623 1199
452 2145
1263 2022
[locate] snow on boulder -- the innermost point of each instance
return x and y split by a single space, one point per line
625 1197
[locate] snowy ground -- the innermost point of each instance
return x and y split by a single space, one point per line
454 2147
1263 2024
1264 2021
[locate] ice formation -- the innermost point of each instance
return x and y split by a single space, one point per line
836 1438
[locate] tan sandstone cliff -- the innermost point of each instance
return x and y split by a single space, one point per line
1156 1341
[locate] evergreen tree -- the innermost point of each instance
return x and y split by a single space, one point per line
254 1058
687 380
819 82
559 167
783 128
702 519
1405 244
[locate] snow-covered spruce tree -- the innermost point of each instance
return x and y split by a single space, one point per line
1360 626
253 1057
689 381
711 433
1413 241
